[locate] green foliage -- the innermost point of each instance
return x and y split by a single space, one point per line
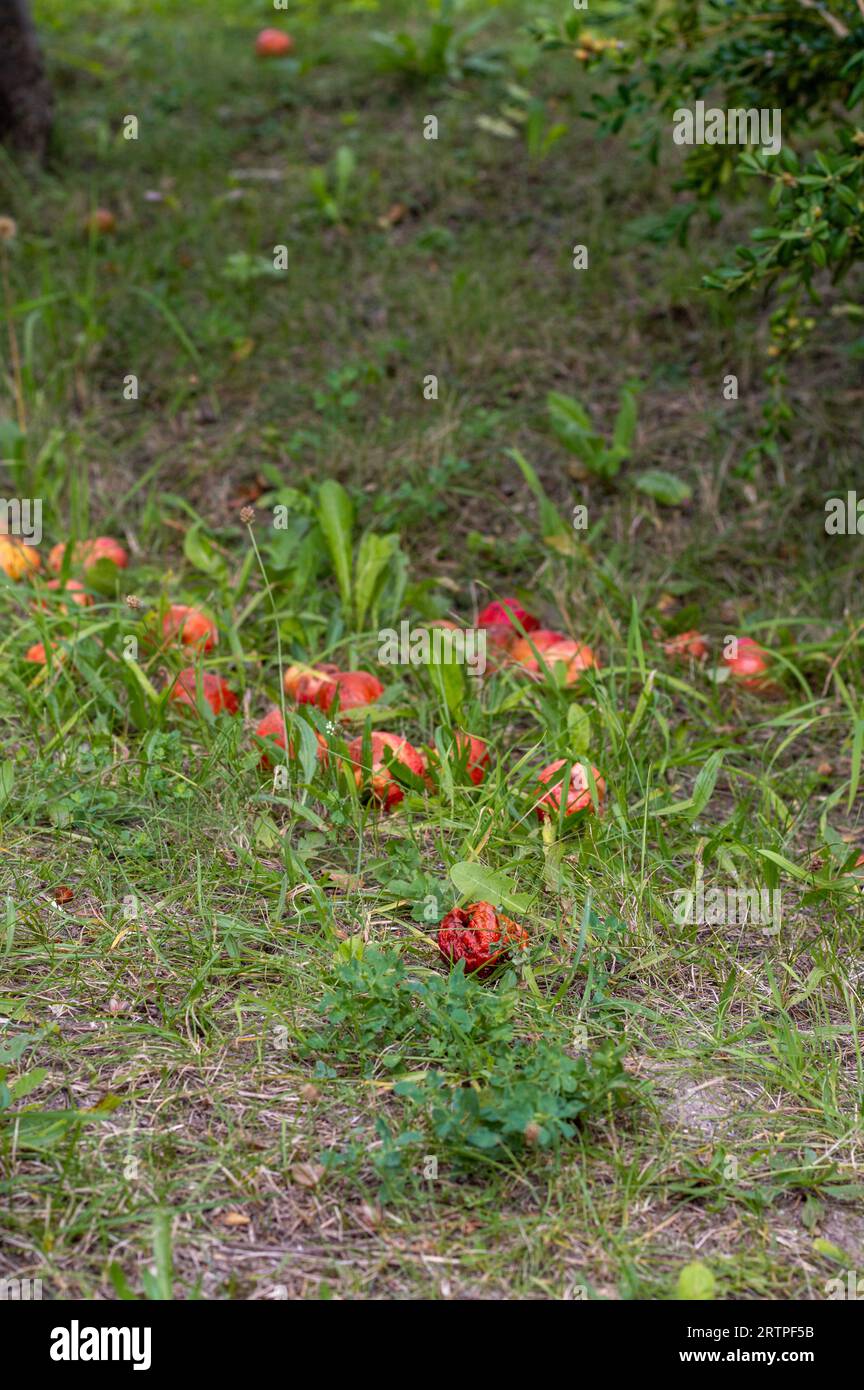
522 113
333 187
575 429
474 1084
29 1127
443 49
804 61
361 576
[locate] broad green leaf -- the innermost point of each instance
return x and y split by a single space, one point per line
336 519
27 1083
448 678
199 551
625 422
42 1129
13 1049
137 673
775 858
830 1251
344 165
7 780
663 487
574 428
479 884
704 785
495 126
308 749
578 730
374 554
855 772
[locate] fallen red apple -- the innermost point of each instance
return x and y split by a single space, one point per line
479 936
16 559
101 221
578 795
37 653
87 553
554 647
74 588
687 644
272 726
354 688
273 43
748 663
471 754
500 635
193 627
304 684
215 690
502 612
378 779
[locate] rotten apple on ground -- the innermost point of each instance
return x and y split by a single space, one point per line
472 756
101 222
479 936
216 691
354 689
321 685
272 727
18 560
74 588
193 627
553 647
686 645
37 653
304 684
579 798
748 663
87 553
502 612
273 43
378 779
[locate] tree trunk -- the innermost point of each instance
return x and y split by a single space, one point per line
25 96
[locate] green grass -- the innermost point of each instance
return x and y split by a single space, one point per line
239 1010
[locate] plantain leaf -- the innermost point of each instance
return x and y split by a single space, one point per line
374 554
664 487
479 884
336 518
703 787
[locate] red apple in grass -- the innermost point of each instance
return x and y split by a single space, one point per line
748 663
578 794
473 755
687 644
273 43
354 688
17 560
87 553
554 647
305 684
216 691
74 588
272 726
378 779
101 222
502 612
191 626
479 936
37 653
